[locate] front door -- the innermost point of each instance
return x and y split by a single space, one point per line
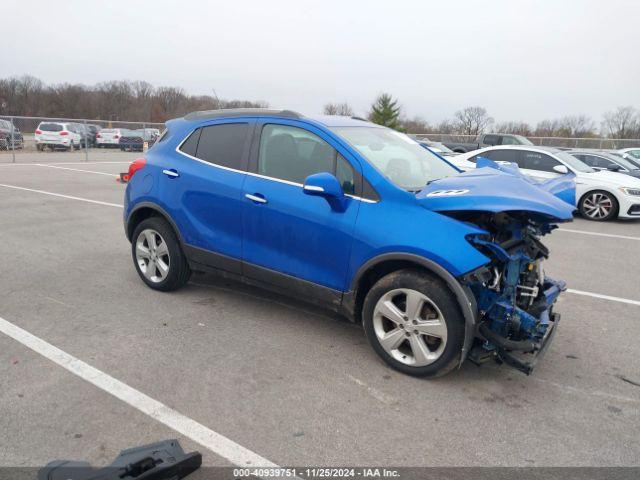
290 238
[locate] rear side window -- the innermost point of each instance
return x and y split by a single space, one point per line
491 140
595 161
223 144
50 127
538 161
502 156
190 145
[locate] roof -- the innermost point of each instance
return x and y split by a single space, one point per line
326 120
523 147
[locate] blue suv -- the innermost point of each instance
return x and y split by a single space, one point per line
438 265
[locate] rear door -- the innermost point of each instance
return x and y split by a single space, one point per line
202 185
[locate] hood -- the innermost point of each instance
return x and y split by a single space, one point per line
615 179
501 188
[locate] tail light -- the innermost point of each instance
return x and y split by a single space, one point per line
38 132
98 135
133 168
116 136
64 133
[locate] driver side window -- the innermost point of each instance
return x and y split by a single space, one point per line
292 154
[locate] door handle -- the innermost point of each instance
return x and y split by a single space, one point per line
256 198
171 173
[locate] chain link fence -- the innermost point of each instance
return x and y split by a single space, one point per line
33 135
20 135
561 142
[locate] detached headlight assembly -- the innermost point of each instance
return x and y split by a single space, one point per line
631 191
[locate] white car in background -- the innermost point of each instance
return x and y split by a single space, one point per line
632 154
600 195
108 137
57 135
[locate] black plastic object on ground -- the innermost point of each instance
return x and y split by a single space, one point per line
157 461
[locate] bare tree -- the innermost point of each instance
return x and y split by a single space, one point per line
515 128
343 109
445 126
472 120
414 125
622 122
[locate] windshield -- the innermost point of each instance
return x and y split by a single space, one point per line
624 162
574 163
523 140
402 160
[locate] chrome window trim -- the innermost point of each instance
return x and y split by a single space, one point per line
280 180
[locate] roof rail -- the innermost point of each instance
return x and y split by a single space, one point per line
359 118
240 112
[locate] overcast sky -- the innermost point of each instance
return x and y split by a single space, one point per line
522 60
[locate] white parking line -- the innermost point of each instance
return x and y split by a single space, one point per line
217 443
597 234
604 297
77 170
70 197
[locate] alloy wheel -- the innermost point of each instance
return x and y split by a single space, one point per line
410 327
597 205
152 255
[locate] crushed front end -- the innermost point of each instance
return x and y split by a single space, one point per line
515 299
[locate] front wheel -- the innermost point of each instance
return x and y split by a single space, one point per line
413 321
599 206
157 255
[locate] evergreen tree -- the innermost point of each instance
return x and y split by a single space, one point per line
386 111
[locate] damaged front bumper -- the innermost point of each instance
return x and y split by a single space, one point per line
524 354
515 300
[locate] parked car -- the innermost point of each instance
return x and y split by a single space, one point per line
108 138
632 154
84 132
360 219
488 140
94 129
56 136
437 147
600 195
132 140
606 161
10 136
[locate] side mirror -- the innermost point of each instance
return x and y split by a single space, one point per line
614 168
325 185
562 169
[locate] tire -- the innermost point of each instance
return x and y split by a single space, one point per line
437 326
599 206
177 272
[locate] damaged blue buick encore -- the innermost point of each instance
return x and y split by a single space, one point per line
438 265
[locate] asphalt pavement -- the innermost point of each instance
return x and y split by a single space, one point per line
294 384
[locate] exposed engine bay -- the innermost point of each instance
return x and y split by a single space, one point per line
514 297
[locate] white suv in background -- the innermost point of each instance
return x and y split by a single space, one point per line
57 135
600 195
108 137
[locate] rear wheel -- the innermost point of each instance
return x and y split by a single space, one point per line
599 206
157 255
413 321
